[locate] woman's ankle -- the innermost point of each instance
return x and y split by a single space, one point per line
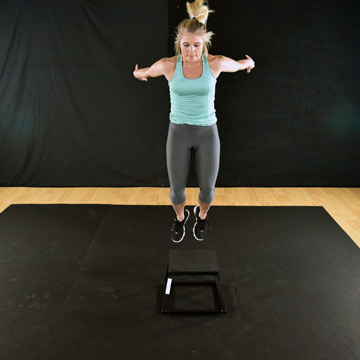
181 219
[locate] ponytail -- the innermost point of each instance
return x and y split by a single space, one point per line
198 13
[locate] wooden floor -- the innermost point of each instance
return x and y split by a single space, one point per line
343 204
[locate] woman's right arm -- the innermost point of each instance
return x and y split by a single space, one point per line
155 70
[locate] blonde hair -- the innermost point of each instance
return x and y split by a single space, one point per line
196 26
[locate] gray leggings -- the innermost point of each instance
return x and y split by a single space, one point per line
206 143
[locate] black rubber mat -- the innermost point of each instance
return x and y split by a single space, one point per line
42 248
87 282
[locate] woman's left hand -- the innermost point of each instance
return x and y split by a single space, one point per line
251 63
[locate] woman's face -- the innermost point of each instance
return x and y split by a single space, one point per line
191 46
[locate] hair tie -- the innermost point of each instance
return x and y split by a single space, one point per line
194 17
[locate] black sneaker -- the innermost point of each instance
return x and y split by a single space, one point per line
201 226
178 228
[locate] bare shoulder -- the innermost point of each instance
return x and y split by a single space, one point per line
169 66
171 58
215 63
214 58
169 62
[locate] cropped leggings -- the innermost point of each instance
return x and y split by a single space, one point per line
206 144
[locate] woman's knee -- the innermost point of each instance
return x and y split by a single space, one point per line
177 196
207 195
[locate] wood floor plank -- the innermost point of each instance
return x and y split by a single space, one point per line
343 204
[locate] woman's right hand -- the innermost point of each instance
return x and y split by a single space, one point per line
139 74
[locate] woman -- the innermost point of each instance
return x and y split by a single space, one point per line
191 76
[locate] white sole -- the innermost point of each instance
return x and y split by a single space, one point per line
195 224
178 241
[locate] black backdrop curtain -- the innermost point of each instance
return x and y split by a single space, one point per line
72 114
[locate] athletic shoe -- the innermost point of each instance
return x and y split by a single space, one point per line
201 226
178 228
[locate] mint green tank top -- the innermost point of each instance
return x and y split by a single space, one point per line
192 100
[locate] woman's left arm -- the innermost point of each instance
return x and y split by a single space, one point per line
230 65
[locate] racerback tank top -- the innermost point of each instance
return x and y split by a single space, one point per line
192 100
